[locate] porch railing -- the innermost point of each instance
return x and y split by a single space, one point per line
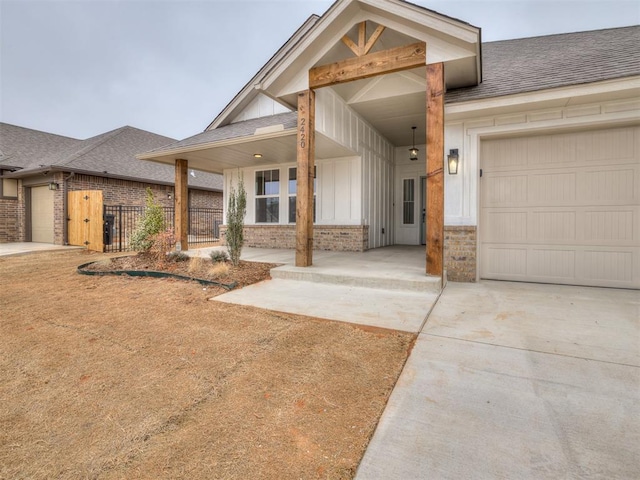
121 220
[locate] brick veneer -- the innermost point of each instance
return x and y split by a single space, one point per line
460 253
338 238
9 231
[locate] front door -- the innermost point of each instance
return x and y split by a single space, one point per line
423 210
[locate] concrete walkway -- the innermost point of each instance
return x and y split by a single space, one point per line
384 287
513 380
21 248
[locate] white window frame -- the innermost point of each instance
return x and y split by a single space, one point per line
267 196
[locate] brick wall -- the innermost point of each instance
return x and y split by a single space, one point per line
460 253
9 231
339 238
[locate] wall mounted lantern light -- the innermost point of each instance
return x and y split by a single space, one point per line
53 186
413 151
452 160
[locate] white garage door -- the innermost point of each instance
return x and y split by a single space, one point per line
41 214
562 208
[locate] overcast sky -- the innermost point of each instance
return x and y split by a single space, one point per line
83 67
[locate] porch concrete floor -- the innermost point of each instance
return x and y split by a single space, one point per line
384 287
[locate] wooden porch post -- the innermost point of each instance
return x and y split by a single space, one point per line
435 168
181 199
304 196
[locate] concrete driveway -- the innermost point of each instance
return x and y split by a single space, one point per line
512 380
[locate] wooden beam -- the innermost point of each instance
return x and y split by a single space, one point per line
181 195
305 167
435 168
374 38
378 63
352 45
362 37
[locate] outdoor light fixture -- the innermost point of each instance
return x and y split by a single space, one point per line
257 155
413 151
452 160
53 186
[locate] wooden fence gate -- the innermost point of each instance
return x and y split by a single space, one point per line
85 219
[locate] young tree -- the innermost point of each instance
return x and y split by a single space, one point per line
236 210
150 224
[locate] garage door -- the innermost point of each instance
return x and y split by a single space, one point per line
41 214
562 208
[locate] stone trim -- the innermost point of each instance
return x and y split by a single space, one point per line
460 245
337 238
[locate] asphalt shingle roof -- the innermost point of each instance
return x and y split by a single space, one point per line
112 154
245 128
552 61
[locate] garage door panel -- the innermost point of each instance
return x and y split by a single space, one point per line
606 266
505 190
606 146
560 219
555 188
616 185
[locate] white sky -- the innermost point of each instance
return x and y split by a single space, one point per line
83 67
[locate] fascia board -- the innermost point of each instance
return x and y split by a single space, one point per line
566 93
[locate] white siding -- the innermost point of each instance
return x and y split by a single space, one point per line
336 120
260 106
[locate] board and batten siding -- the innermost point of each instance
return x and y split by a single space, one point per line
337 121
260 106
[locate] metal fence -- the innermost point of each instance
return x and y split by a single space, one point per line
121 220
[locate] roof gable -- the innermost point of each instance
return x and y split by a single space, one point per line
319 42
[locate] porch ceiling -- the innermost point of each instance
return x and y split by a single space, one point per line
239 153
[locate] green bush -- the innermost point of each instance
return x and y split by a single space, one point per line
150 224
235 221
219 256
177 257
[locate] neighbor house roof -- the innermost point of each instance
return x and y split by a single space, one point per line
109 154
539 63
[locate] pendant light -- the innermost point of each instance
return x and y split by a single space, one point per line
413 151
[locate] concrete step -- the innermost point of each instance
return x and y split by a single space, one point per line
397 280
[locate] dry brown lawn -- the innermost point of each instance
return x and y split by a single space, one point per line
120 378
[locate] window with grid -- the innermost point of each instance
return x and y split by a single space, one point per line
268 196
408 201
293 190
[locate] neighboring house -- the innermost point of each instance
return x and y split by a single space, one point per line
546 132
37 169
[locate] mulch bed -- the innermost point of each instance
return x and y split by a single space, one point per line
245 273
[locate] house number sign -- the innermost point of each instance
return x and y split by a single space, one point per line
302 131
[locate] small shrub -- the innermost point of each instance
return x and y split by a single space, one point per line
218 256
178 257
151 223
219 270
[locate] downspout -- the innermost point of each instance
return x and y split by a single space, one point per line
65 209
